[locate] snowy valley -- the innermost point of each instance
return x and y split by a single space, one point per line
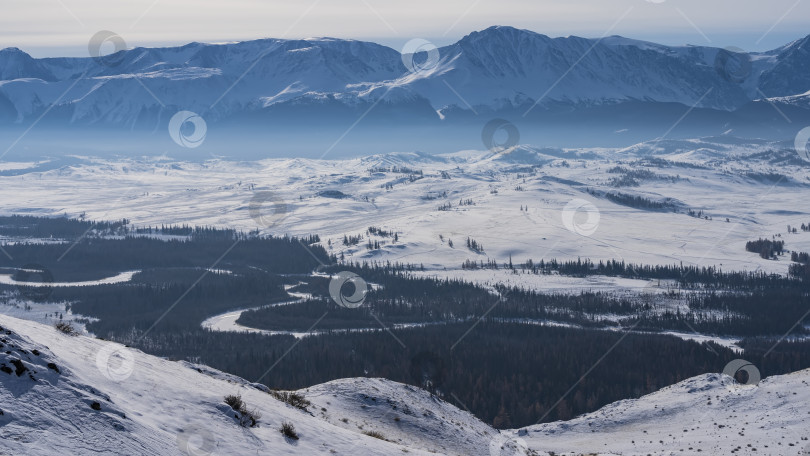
509 245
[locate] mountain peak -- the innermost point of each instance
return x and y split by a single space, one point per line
802 43
789 74
13 50
17 64
500 32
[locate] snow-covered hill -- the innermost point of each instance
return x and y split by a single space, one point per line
73 394
79 395
512 203
705 415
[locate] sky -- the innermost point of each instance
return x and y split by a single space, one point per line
45 28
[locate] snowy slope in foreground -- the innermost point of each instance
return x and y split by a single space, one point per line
165 405
704 415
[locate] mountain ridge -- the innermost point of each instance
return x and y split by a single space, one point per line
521 62
274 91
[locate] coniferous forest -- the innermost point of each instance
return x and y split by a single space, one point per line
509 355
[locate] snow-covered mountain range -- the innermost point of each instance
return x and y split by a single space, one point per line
74 394
501 71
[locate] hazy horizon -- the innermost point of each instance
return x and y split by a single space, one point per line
79 51
47 29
